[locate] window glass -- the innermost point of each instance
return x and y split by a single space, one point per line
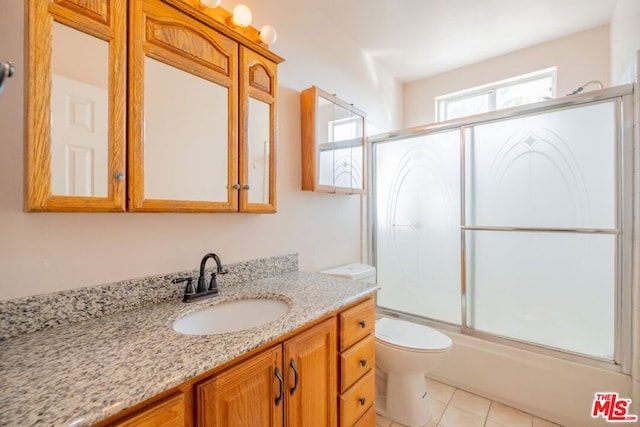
513 92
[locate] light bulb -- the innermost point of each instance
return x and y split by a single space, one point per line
210 3
268 34
242 16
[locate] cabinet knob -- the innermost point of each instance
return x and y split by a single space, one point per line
236 186
119 176
363 362
245 187
362 401
362 323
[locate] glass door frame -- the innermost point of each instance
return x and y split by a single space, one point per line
623 98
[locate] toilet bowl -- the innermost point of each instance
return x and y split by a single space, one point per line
405 351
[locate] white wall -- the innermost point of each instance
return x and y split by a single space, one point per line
625 41
580 57
45 252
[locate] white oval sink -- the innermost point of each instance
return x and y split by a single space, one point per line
232 316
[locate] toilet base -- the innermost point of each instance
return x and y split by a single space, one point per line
406 400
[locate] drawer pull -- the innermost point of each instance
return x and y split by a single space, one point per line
363 362
362 323
362 401
281 383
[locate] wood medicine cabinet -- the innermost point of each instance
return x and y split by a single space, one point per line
183 117
333 144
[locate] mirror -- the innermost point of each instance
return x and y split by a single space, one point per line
76 106
258 150
185 135
79 113
183 106
333 143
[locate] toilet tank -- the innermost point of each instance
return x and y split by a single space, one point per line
362 272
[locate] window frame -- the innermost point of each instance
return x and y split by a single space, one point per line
491 89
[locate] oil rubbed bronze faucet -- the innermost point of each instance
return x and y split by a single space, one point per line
203 290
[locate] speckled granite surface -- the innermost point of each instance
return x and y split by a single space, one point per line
34 313
83 372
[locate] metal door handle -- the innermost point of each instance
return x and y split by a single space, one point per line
295 376
281 382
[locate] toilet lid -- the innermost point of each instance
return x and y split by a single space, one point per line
411 335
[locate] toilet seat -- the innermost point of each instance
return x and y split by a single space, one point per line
409 336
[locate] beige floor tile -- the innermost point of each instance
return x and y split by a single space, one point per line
382 421
539 422
490 423
439 391
509 417
437 409
471 403
455 417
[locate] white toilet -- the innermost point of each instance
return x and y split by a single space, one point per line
405 351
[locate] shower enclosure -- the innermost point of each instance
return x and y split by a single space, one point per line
514 226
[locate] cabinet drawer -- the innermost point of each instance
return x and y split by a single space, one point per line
356 361
169 412
368 419
356 323
358 399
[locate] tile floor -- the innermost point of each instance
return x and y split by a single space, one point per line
452 407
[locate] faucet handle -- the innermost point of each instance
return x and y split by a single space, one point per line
213 284
189 289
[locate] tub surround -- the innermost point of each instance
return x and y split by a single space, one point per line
80 373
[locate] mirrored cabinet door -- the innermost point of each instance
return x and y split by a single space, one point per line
183 107
76 94
257 133
333 155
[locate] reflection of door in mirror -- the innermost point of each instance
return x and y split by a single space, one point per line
258 151
79 113
76 89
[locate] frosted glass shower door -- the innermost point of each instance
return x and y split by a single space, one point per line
540 228
417 202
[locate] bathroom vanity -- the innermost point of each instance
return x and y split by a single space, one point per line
311 366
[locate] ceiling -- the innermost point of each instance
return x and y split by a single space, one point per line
414 39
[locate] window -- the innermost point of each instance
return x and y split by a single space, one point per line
513 92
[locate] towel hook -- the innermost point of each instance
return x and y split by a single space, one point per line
6 70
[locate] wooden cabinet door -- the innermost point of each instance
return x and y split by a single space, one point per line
169 412
249 394
310 367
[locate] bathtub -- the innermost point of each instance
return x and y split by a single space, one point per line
558 390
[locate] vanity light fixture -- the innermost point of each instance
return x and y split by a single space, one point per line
241 16
268 34
210 3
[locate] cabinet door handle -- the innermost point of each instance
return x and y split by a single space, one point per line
295 376
363 362
362 401
281 383
362 323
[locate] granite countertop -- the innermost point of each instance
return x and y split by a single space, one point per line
81 373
